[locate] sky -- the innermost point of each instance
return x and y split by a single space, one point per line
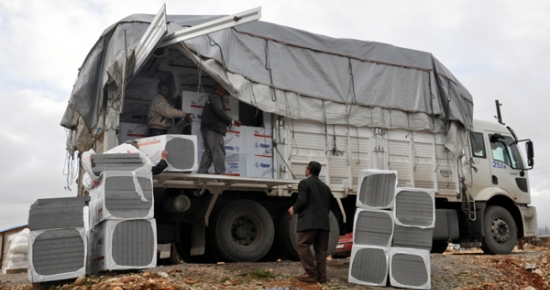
497 49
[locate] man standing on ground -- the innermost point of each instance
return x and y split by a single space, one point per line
213 128
312 206
161 112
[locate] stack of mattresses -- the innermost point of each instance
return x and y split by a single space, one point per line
57 239
393 231
123 235
182 151
115 162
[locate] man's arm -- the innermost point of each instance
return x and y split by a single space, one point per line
157 169
165 109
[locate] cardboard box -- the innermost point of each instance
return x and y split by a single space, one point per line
182 151
122 245
260 166
130 131
122 195
57 254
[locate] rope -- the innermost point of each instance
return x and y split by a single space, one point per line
268 68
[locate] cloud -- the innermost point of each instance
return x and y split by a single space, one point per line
496 51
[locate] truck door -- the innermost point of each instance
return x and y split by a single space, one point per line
507 167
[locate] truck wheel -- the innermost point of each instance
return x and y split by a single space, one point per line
439 247
243 231
332 239
282 238
500 231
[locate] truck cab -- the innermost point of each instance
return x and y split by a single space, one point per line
499 188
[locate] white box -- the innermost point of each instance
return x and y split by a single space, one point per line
130 131
122 245
129 196
376 188
260 166
410 268
414 207
234 139
235 164
182 151
373 227
54 249
368 265
259 140
135 111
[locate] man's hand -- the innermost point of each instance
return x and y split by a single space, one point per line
237 123
164 154
187 118
291 211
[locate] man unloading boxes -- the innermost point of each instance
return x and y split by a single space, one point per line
160 115
213 128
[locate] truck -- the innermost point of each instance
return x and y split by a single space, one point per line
348 104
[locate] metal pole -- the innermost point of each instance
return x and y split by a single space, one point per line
499 116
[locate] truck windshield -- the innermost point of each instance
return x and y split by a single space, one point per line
506 151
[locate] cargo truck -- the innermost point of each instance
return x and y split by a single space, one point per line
348 104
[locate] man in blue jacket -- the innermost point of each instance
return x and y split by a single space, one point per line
312 206
215 121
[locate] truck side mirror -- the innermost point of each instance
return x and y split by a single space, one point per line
530 153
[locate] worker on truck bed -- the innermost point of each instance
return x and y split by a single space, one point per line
213 128
161 112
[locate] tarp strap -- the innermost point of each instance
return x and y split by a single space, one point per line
212 43
268 68
352 82
139 190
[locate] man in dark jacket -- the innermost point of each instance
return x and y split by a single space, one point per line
312 206
213 127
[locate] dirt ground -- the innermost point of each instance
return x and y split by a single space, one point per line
526 269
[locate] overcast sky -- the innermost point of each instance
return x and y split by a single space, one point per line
497 49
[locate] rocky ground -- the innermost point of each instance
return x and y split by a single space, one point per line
526 269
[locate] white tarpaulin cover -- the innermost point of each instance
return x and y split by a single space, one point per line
280 69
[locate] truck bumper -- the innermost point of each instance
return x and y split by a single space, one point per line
529 218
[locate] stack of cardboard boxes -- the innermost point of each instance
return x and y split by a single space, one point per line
57 239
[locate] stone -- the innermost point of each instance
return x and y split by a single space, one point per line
118 288
529 288
80 281
227 283
163 274
539 272
530 266
146 274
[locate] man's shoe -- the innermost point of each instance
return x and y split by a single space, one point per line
322 280
306 278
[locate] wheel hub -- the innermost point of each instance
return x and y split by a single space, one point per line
243 231
500 230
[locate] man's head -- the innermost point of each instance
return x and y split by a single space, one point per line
219 90
314 168
164 89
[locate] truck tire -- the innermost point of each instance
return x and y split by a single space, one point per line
500 231
283 240
439 247
332 239
243 231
